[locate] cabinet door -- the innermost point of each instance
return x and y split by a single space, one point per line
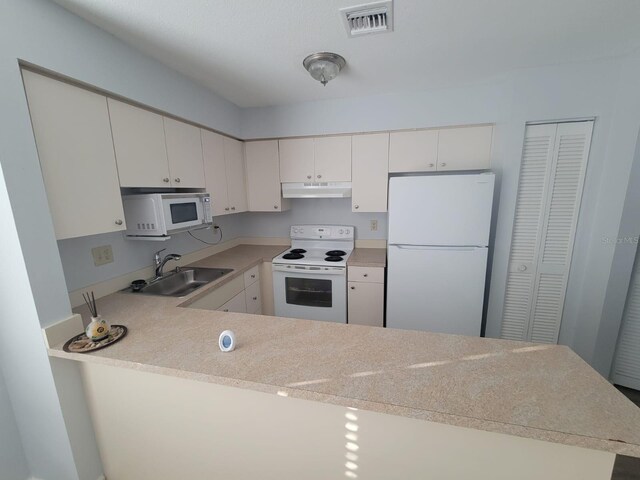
366 304
296 160
415 151
139 142
252 297
465 148
264 190
332 157
71 128
236 304
237 190
215 171
184 150
370 172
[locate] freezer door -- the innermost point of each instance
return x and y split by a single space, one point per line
441 209
436 289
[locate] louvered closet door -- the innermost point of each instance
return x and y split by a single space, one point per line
626 365
551 180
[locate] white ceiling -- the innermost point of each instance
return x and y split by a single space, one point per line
251 51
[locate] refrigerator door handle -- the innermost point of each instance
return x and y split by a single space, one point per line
466 248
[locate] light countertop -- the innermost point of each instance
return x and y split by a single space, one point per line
544 392
368 257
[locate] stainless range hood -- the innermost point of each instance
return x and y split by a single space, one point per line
316 190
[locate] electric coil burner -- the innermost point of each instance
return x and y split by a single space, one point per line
310 279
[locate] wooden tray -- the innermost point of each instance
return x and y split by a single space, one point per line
82 344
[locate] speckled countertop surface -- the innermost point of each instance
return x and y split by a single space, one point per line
368 257
537 391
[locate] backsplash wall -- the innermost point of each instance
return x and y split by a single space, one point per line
128 255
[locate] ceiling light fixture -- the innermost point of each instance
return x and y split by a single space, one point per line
324 66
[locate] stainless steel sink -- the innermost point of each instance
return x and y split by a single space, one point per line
184 281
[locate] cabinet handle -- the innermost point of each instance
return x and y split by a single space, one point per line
275 207
431 165
319 176
255 298
226 310
352 288
356 206
165 179
233 208
253 276
365 275
178 180
443 164
118 222
226 208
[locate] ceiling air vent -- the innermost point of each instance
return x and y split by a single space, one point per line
374 17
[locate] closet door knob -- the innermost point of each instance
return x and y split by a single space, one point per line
275 207
431 165
356 207
178 180
308 176
319 176
165 179
233 208
443 164
352 288
118 222
226 208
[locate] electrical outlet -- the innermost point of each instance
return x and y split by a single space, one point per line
374 225
102 255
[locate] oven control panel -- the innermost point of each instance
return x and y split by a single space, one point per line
324 232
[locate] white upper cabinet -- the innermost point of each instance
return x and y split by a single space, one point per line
465 148
71 128
236 187
184 151
139 142
414 151
332 157
264 192
321 159
215 171
224 173
370 172
456 148
296 160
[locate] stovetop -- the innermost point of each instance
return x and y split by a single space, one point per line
327 245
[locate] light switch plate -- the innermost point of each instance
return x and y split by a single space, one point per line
102 255
374 225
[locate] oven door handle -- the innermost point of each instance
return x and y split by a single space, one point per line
307 271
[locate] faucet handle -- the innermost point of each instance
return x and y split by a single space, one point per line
159 252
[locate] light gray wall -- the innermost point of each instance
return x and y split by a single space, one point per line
79 270
13 464
603 89
33 290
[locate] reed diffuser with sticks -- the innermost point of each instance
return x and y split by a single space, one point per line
98 328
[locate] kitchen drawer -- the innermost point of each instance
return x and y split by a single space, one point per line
236 304
218 297
251 276
366 274
253 297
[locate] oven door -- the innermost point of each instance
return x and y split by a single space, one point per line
182 213
314 293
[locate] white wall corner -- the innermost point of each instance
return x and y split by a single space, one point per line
63 330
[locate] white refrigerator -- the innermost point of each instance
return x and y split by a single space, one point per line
437 251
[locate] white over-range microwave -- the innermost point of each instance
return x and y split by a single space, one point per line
161 214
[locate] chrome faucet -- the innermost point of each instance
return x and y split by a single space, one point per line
160 262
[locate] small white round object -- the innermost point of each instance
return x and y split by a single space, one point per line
227 341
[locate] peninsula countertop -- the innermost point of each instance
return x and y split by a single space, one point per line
544 392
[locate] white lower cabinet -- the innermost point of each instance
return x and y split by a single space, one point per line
366 296
236 304
242 295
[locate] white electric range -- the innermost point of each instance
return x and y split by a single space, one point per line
310 279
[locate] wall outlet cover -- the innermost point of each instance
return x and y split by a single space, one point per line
374 225
102 255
